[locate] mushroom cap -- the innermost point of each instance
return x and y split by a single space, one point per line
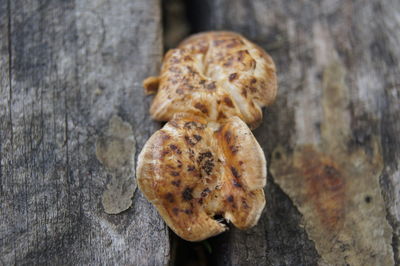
193 170
215 75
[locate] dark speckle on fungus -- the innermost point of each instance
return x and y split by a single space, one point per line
211 86
228 136
241 55
203 155
244 203
189 141
165 136
190 125
205 192
175 211
164 152
174 124
229 62
235 172
192 140
197 137
179 163
201 107
170 166
175 148
234 149
244 92
187 194
191 71
230 198
170 197
191 168
236 183
232 76
228 102
174 173
191 154
188 211
221 115
199 175
208 166
176 183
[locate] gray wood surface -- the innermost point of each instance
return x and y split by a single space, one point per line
67 67
307 38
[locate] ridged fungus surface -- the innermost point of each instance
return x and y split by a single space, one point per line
194 172
215 75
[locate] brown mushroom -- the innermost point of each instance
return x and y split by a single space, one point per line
215 75
194 170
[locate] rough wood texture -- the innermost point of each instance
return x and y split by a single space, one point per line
306 38
66 68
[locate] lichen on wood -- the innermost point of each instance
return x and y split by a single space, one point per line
335 185
115 149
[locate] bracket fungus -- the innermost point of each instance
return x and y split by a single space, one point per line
193 171
205 162
216 75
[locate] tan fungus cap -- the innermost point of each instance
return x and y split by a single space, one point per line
193 170
215 75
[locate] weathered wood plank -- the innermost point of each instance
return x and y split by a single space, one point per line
73 65
307 39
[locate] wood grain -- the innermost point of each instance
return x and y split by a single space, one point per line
66 68
305 38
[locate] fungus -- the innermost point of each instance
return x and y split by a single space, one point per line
231 183
207 75
204 167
